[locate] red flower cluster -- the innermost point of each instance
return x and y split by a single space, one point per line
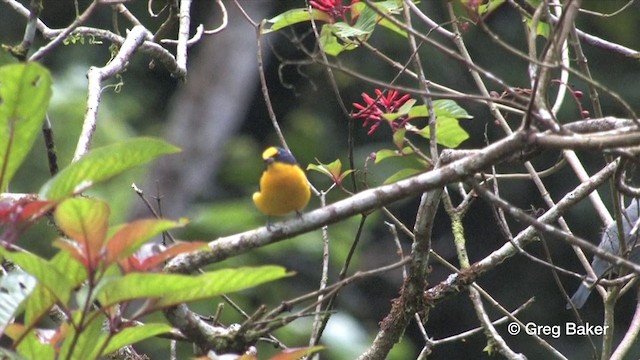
373 109
334 8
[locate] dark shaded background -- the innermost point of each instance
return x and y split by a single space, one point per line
219 118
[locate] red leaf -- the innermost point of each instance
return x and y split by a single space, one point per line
149 257
130 236
295 353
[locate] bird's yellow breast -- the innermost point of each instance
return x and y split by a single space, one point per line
283 189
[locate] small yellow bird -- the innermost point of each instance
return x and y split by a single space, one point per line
283 186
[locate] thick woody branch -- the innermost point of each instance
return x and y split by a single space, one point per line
375 198
362 202
96 76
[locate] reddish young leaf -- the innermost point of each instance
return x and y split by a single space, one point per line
74 249
24 209
295 353
85 221
130 236
35 209
151 257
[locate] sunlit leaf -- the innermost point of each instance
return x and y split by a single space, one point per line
333 168
393 27
442 108
406 107
103 163
38 304
399 137
173 289
388 153
388 7
385 154
489 7
84 343
402 174
41 299
449 132
33 344
542 29
134 334
366 21
291 17
25 90
450 108
347 32
330 43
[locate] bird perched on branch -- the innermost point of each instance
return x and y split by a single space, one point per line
610 243
284 187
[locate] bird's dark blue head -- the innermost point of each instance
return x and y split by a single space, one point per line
279 154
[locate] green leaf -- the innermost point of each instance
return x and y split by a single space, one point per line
388 7
542 29
292 17
88 341
489 7
322 169
481 9
402 174
406 107
74 271
449 132
38 305
450 108
174 288
333 170
393 27
346 32
47 275
41 299
134 334
31 346
15 287
330 43
224 281
103 163
442 108
399 137
25 90
385 154
367 20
